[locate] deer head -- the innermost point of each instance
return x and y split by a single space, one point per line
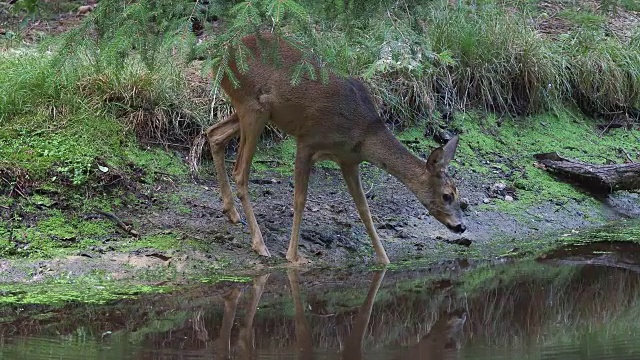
439 193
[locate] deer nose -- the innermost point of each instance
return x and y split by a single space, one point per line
460 228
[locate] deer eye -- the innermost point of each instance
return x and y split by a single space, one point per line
447 198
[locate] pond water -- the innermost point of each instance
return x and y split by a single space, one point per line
581 302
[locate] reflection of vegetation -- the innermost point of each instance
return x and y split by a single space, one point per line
490 277
159 324
625 231
88 290
76 346
510 305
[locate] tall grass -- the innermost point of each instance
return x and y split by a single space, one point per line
59 122
603 73
419 60
444 58
499 64
27 83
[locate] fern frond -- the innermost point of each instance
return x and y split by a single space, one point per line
246 15
296 9
276 10
296 76
310 69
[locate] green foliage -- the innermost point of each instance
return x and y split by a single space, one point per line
251 17
30 6
631 5
603 73
128 60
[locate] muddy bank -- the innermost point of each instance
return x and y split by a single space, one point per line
183 231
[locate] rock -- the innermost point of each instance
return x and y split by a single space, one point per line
466 242
442 136
263 181
497 188
500 190
85 9
508 198
387 226
486 200
464 203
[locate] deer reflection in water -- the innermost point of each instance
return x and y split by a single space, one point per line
245 338
441 342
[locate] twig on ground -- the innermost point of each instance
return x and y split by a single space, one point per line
127 228
626 154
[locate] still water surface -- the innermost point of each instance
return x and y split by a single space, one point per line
572 305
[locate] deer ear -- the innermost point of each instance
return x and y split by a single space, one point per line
450 150
440 157
434 162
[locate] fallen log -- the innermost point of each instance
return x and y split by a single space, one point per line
597 178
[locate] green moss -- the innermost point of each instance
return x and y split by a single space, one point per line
41 200
504 149
162 241
155 161
90 289
6 201
583 19
56 234
624 231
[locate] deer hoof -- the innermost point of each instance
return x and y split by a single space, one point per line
232 215
262 250
383 261
298 261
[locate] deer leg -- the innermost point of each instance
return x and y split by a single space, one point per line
351 175
303 331
219 135
250 129
353 345
230 305
302 169
245 337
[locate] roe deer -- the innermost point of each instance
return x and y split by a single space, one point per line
335 121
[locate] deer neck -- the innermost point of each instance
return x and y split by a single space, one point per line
384 150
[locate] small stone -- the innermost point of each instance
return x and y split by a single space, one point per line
486 200
464 203
85 9
499 186
508 198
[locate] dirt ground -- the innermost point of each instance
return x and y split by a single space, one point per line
332 233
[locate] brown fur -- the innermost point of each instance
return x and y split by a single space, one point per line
336 121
